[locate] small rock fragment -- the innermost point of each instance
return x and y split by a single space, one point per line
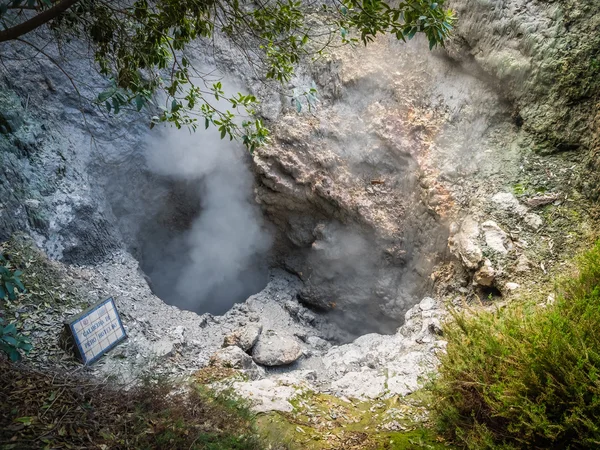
233 357
495 237
509 203
427 303
245 337
523 264
534 221
485 275
512 286
542 200
464 244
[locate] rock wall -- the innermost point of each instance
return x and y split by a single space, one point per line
545 57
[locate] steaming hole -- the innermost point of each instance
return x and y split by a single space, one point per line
169 247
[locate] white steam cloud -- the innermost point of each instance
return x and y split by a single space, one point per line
220 257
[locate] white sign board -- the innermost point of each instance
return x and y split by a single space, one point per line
96 330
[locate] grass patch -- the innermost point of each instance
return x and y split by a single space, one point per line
50 410
526 376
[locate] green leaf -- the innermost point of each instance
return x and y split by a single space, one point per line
14 355
116 106
9 329
25 346
2 293
10 288
19 285
139 102
10 340
103 96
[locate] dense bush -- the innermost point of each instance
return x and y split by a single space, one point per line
527 376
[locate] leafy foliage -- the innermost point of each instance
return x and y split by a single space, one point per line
12 342
527 376
144 46
10 281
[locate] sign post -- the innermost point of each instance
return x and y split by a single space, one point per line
96 330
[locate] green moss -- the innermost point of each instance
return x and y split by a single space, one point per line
321 421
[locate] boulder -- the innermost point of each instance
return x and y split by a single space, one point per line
276 349
245 337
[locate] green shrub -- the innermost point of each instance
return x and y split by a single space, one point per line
12 343
527 376
10 281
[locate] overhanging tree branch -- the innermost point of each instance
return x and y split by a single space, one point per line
38 20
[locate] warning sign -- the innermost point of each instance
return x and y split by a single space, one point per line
96 330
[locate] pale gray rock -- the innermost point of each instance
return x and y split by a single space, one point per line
318 343
495 237
523 264
427 304
485 275
269 394
507 202
233 357
245 337
533 220
276 349
365 384
511 286
464 244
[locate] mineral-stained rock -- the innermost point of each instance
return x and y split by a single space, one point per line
464 244
245 337
542 200
276 349
233 357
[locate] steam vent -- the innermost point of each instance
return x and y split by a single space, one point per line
294 225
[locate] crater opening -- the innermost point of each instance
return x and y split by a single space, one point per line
172 246
186 213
